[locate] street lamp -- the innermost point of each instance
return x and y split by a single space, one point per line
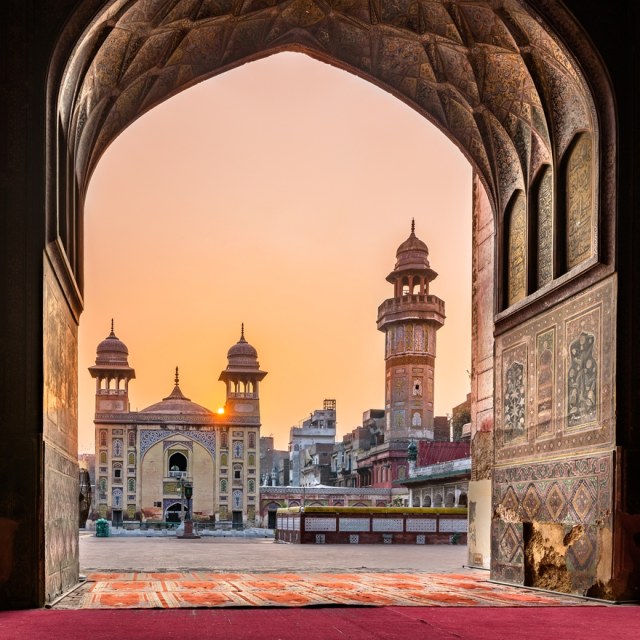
186 491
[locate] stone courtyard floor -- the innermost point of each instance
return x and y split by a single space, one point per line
167 572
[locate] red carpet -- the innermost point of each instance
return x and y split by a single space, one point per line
389 623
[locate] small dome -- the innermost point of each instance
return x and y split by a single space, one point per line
112 350
242 354
412 253
177 403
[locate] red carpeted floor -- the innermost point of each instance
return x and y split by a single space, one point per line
338 623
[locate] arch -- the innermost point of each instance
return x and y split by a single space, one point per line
462 500
503 142
177 462
579 212
515 250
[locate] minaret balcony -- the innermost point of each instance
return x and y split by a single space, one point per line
411 306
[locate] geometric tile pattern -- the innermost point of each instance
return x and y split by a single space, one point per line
568 492
149 437
293 589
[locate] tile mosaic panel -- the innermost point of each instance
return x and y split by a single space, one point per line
568 362
421 539
421 524
320 524
570 492
545 382
354 524
453 525
386 524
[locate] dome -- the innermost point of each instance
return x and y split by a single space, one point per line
112 351
242 354
177 403
412 253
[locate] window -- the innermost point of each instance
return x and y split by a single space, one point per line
131 485
103 438
132 438
252 486
237 472
223 485
131 458
252 440
177 463
103 457
224 440
252 459
224 460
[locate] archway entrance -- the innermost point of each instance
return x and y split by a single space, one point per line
510 94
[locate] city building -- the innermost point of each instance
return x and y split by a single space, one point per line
146 458
318 428
270 461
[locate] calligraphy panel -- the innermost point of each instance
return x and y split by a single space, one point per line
517 250
545 380
544 205
579 199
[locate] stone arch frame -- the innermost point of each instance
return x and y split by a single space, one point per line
65 258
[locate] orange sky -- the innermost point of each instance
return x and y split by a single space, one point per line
274 195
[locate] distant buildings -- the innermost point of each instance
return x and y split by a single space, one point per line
319 428
144 459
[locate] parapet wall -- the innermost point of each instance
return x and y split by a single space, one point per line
371 525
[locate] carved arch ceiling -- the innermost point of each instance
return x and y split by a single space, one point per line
484 71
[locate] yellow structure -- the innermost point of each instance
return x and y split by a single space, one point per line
144 459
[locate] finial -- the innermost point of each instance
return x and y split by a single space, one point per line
413 226
177 380
112 332
242 332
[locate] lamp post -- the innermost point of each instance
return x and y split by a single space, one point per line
186 491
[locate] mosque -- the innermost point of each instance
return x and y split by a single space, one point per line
144 459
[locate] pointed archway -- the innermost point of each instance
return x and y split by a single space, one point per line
524 95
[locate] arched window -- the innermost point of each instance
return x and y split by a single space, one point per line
102 484
117 472
252 440
224 439
177 463
103 438
450 500
579 209
544 226
223 485
224 461
131 485
132 438
251 485
462 500
131 458
252 459
516 249
103 457
237 472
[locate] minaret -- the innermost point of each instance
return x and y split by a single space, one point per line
112 373
410 320
242 377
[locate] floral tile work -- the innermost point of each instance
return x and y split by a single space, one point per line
206 589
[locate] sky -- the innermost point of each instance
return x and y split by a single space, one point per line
273 195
